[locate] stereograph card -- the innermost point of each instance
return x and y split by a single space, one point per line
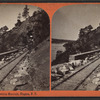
49 49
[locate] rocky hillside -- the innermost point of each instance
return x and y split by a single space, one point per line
36 25
89 39
32 73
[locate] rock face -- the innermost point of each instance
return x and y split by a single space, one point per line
40 62
32 73
88 40
36 26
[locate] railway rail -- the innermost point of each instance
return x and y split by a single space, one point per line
75 79
8 52
7 67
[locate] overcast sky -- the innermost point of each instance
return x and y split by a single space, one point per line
68 20
9 13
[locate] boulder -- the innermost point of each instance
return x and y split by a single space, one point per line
54 70
98 75
20 82
96 81
71 68
17 75
62 70
55 77
22 72
13 81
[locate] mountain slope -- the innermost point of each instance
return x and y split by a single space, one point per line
37 25
40 62
89 39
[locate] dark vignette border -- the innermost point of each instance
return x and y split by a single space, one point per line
46 1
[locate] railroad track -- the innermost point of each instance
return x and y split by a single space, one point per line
74 80
9 66
8 52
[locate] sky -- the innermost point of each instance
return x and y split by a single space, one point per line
68 20
9 13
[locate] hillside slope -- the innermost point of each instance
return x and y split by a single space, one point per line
36 25
89 39
40 62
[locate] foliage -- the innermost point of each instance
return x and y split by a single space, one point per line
18 23
25 13
36 26
19 16
3 30
88 40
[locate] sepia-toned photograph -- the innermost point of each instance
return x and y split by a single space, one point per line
75 59
24 48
